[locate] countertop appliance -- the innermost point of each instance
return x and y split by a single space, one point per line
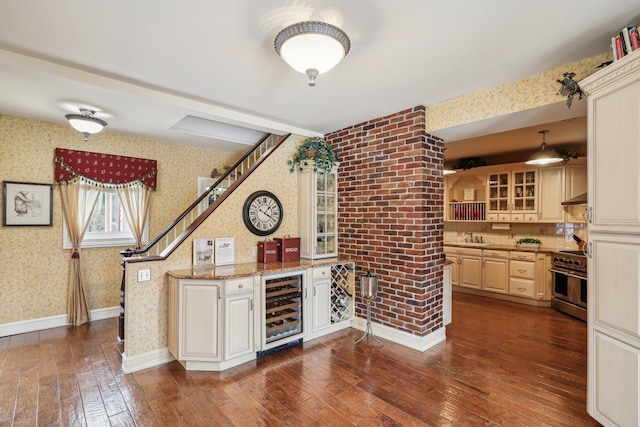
569 283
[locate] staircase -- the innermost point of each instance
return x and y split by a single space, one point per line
186 223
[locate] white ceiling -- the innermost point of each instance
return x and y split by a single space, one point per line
144 65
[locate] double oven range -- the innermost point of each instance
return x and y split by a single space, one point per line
569 283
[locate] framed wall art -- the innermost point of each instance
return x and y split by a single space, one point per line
26 203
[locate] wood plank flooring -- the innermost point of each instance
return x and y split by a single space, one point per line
502 364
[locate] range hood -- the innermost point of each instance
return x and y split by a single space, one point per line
580 199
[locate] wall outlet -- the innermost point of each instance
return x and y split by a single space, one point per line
144 275
255 251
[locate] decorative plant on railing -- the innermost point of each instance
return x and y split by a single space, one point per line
566 154
469 163
316 152
569 87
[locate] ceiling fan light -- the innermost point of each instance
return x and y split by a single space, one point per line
312 47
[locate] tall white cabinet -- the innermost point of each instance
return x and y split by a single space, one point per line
614 242
318 213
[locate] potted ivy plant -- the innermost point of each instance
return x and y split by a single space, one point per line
314 151
529 242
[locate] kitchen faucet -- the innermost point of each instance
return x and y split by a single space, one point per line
470 234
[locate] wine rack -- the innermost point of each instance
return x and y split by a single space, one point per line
283 308
341 292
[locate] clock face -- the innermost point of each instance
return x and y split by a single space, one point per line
262 213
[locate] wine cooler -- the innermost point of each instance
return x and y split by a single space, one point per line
283 317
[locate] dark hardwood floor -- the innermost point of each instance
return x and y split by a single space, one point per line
502 364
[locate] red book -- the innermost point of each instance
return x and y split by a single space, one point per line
633 36
619 48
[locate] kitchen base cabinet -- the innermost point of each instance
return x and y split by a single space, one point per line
330 299
196 322
467 268
495 271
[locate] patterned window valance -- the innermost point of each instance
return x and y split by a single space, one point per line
104 169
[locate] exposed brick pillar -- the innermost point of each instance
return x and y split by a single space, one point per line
391 216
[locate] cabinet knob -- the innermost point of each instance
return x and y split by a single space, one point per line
241 286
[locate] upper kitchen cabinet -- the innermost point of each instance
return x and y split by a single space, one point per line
318 213
515 193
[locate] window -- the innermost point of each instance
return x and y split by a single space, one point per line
108 226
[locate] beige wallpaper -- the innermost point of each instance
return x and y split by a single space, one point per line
146 302
534 91
33 265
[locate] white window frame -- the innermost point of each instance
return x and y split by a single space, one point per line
104 239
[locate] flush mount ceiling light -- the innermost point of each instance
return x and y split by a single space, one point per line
544 156
312 47
86 123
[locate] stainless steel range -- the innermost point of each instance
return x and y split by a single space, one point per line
569 283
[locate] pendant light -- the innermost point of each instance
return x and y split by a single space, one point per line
312 47
544 156
86 123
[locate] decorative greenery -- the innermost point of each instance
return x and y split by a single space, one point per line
569 87
566 155
470 162
314 151
528 240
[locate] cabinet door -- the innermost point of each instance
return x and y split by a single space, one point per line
470 272
495 275
498 185
552 194
238 325
321 304
524 191
455 267
199 334
614 160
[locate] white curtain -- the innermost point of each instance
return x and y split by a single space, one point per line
78 200
135 199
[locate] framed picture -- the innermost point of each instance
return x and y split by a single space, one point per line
27 203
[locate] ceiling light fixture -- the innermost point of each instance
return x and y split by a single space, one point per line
85 122
543 156
312 47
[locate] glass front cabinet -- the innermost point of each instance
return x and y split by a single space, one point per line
318 213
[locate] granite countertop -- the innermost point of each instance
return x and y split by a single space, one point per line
223 272
499 247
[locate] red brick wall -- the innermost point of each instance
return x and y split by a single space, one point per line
391 216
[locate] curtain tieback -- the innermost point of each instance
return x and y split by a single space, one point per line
75 254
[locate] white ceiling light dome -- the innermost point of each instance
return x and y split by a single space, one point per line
312 47
86 123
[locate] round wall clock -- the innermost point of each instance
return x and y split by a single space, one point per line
262 213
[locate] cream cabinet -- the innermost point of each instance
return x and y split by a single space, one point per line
613 319
238 318
495 271
211 322
528 275
446 297
552 194
194 320
329 298
468 272
576 184
512 196
318 213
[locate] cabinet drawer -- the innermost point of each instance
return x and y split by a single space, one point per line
239 285
521 287
523 256
321 272
523 269
490 253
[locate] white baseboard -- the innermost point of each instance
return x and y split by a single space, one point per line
400 337
33 325
145 360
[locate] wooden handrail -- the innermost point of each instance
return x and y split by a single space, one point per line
128 253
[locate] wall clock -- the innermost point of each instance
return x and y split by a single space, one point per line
262 213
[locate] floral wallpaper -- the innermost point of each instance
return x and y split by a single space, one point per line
534 91
33 265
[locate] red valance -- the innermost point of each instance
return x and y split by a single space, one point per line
109 169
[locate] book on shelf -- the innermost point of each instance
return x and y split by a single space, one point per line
625 42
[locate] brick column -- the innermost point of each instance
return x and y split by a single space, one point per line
391 216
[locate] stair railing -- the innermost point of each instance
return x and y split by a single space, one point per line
175 233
